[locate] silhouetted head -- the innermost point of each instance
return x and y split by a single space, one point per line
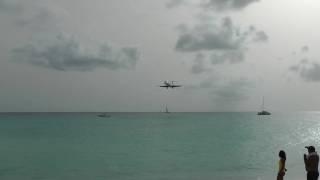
311 149
282 155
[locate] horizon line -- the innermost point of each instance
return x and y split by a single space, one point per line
6 112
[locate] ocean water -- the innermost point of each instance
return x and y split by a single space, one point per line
154 146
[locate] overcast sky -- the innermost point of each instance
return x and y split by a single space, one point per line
112 55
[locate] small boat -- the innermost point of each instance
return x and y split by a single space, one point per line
263 112
167 110
104 115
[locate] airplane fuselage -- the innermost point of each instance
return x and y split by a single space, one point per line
169 85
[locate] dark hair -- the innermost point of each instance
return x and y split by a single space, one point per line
282 154
311 148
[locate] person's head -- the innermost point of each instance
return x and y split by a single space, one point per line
310 149
282 155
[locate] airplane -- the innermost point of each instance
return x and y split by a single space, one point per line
167 85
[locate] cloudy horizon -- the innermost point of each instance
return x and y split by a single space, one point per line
113 55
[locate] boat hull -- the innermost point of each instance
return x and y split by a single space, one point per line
263 113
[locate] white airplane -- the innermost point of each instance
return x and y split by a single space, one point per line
167 85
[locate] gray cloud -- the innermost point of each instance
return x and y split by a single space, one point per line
308 71
311 73
216 5
221 5
305 49
228 56
304 61
65 54
222 36
260 36
226 42
210 37
40 18
294 68
199 65
301 65
33 16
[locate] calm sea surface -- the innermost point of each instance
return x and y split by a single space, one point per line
154 146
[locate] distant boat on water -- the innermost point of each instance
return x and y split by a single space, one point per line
104 115
167 111
263 112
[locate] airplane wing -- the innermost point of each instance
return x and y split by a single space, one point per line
176 86
164 86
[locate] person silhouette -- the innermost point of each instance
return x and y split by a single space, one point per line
311 162
282 165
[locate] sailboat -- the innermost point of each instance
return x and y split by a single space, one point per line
263 112
167 110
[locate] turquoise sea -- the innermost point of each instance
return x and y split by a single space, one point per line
154 146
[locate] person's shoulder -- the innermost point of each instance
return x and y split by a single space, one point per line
314 157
